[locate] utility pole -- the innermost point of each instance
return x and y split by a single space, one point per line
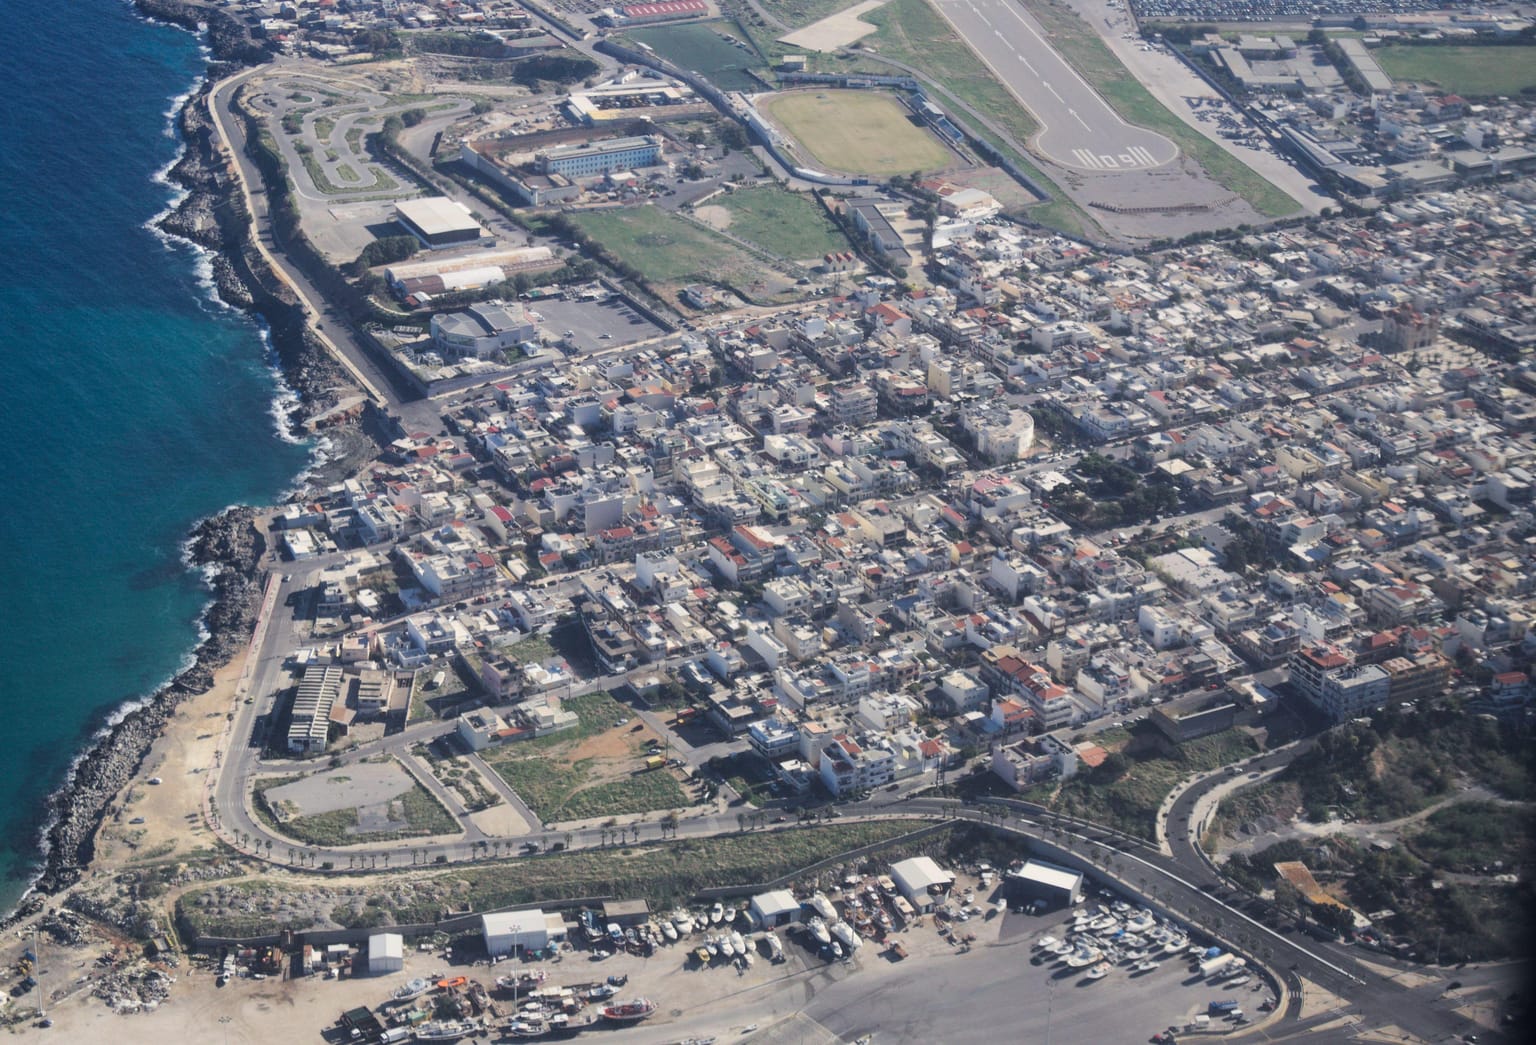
1050 1002
38 977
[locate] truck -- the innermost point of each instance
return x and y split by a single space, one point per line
394 1035
655 762
1217 1008
1211 966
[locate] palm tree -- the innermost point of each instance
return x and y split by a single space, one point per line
567 837
741 821
669 823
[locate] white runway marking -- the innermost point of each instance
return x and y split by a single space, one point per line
1078 126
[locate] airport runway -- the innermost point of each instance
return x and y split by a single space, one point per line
1079 129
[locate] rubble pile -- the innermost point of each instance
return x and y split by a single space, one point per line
66 928
134 990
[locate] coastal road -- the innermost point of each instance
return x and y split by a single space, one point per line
1181 881
326 322
1079 129
1378 1001
1139 869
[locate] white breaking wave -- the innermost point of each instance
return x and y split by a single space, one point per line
208 571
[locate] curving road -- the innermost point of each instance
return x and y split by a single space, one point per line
1376 1001
1179 880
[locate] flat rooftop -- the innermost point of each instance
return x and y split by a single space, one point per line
437 215
560 152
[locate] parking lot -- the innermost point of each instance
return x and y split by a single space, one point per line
594 325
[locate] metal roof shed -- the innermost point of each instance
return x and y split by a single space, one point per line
775 908
917 877
1038 880
386 953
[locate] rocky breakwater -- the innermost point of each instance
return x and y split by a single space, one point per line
230 547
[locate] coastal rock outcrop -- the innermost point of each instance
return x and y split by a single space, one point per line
229 544
213 216
228 38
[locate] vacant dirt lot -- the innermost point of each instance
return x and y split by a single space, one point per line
596 771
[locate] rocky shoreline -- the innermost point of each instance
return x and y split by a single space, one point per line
228 545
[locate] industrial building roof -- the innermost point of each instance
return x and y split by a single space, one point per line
503 923
437 215
920 872
776 902
1051 875
386 945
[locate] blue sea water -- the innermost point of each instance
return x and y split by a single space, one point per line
132 403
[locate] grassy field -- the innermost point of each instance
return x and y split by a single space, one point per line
1125 792
789 224
1396 766
590 771
800 13
698 46
1476 72
666 249
662 873
1081 46
1470 836
535 649
858 132
427 702
563 793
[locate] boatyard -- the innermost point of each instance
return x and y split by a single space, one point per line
957 955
